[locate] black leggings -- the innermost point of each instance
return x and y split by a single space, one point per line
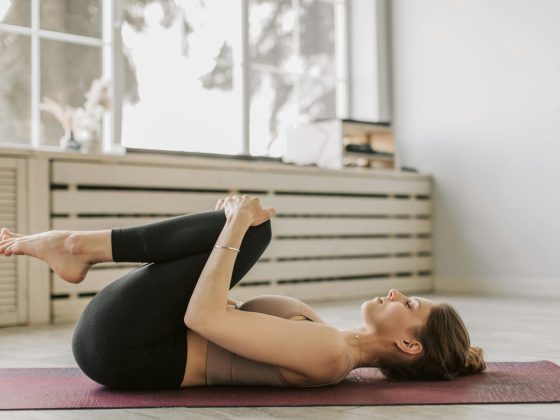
132 334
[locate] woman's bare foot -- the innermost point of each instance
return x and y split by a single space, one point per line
60 249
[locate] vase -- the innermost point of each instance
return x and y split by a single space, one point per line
68 142
90 141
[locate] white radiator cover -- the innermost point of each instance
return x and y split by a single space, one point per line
338 234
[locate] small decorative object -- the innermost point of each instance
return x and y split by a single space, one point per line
82 125
68 142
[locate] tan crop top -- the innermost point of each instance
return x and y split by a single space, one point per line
226 368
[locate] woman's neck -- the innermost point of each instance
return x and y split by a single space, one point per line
365 347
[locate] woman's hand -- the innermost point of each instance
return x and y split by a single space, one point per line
246 208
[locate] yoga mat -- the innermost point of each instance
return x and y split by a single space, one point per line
503 382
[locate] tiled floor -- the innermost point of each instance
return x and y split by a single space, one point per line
508 329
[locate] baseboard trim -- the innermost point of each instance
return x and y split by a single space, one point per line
513 287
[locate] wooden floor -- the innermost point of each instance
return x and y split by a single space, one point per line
509 329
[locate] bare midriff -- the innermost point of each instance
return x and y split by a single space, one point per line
195 371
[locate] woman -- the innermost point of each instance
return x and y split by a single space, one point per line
136 333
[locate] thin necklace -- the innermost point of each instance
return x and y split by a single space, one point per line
359 346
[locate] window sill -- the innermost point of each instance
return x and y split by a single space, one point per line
203 155
202 160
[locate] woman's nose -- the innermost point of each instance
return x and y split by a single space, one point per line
393 294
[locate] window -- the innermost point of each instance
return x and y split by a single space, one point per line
52 48
212 76
226 76
182 85
292 77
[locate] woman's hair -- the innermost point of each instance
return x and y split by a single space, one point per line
447 352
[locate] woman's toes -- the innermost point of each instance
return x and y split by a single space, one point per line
16 248
7 251
6 233
12 234
5 244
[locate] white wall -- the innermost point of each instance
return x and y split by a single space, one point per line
477 104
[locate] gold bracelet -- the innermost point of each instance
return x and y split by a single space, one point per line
226 247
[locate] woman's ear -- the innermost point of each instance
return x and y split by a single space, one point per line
410 346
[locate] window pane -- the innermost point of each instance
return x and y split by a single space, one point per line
274 108
180 90
317 99
15 82
271 26
80 17
279 101
317 38
15 12
67 71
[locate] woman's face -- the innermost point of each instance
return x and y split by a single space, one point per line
396 315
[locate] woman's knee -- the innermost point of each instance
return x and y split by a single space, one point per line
260 234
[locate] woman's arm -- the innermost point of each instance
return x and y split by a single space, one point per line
211 292
209 297
312 349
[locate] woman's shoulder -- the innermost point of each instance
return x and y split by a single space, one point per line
280 305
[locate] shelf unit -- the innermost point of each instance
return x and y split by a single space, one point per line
323 143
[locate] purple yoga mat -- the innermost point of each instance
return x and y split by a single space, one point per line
503 382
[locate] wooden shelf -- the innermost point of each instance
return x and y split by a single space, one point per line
369 156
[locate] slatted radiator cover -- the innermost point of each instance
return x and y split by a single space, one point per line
12 270
336 235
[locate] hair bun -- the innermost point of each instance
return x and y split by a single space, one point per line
475 360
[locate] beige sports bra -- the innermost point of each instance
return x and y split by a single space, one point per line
226 368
